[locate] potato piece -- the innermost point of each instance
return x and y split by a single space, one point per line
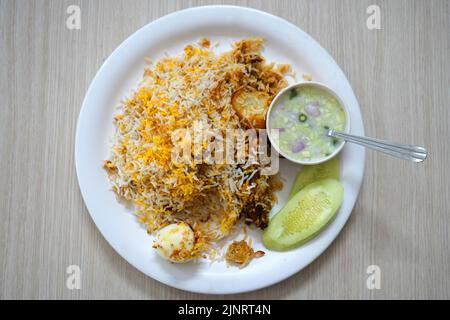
251 107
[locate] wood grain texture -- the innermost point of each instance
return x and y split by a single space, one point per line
400 75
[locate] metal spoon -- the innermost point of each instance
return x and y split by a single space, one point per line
402 151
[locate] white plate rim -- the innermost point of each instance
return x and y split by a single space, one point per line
198 288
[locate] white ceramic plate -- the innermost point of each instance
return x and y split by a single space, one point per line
284 43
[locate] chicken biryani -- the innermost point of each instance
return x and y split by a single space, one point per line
191 206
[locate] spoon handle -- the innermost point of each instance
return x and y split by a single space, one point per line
402 151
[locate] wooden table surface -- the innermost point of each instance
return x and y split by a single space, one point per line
400 75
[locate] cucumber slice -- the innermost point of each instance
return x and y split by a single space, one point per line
304 216
310 174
